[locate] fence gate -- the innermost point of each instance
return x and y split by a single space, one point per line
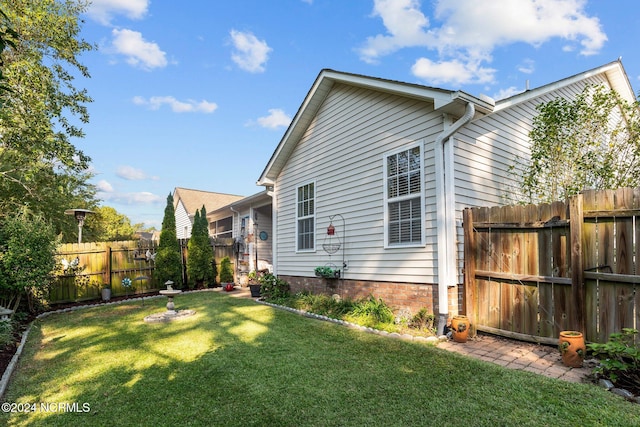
533 271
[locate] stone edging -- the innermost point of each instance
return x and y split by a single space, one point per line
407 337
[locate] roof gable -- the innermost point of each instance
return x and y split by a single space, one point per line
613 72
193 200
448 101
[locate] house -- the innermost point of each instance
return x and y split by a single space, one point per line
187 201
384 168
248 222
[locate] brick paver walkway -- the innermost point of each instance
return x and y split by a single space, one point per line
537 358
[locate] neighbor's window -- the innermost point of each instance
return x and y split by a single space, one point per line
403 172
305 226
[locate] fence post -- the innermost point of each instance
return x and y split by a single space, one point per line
469 302
107 266
577 268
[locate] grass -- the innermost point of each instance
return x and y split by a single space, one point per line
239 363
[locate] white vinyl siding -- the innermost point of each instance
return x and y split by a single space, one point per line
342 152
404 195
306 218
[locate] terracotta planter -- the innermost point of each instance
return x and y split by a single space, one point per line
572 348
460 328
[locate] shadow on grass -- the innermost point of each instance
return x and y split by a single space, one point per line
240 363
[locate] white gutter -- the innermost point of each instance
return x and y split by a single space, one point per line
446 214
274 227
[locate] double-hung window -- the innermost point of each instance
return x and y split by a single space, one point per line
404 197
305 215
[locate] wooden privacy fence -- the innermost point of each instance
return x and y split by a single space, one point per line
102 263
533 271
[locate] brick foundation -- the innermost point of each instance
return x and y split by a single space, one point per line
408 296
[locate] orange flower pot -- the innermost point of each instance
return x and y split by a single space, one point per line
572 348
460 328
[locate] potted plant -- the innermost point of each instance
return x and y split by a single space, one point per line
226 274
572 348
460 328
106 292
254 286
327 272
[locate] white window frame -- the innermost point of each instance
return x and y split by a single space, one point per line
304 217
388 199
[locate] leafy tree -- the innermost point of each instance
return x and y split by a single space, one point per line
592 141
41 109
169 255
109 225
27 259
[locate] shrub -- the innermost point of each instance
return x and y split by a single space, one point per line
372 311
274 289
199 261
6 332
423 320
169 256
323 304
619 360
226 272
27 260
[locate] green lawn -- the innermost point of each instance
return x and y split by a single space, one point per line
239 363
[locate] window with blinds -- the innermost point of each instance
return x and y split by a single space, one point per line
403 172
305 227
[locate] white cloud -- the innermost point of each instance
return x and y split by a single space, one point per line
132 174
139 52
134 198
188 106
276 119
469 31
527 66
250 54
455 71
406 26
506 93
103 11
104 186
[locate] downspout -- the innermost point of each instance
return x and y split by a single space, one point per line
274 227
446 214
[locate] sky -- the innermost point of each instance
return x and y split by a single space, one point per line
198 94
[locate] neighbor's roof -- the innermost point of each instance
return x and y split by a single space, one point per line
194 199
447 101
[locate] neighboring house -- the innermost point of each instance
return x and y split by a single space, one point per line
186 202
248 221
399 162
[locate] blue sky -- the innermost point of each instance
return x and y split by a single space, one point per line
198 94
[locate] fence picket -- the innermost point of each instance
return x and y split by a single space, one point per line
528 247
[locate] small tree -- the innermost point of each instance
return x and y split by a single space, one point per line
226 272
169 255
199 262
27 260
592 141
